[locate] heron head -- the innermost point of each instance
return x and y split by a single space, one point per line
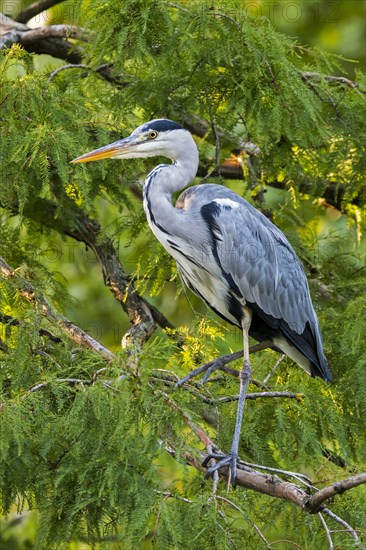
159 137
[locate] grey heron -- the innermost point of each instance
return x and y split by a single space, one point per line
228 253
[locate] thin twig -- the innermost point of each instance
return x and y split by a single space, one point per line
273 369
259 395
296 475
348 528
318 92
104 70
43 353
224 16
224 499
330 78
168 494
220 362
72 381
287 542
327 532
66 67
170 379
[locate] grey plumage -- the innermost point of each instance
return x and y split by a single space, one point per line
228 253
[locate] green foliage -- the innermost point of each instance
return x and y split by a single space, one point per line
91 455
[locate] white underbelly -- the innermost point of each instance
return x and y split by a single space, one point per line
199 271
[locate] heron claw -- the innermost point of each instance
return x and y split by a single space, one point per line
208 369
229 460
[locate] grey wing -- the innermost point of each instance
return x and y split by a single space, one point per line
261 262
262 269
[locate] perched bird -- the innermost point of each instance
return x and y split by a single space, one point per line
228 253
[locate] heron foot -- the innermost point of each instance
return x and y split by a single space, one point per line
208 368
229 460
220 364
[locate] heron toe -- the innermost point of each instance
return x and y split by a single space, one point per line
229 460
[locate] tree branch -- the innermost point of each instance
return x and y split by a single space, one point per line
76 224
330 78
105 70
54 31
32 296
233 168
52 40
270 485
326 529
37 41
36 8
348 528
315 501
254 525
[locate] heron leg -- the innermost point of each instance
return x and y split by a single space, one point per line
231 458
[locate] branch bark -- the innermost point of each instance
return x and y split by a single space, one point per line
38 41
270 485
52 40
32 296
53 31
76 224
34 9
315 501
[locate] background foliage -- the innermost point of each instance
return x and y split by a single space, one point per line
86 465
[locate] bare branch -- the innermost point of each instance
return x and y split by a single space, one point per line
76 224
259 395
32 296
327 532
220 362
57 47
315 501
104 70
223 499
301 478
330 78
54 31
7 25
278 362
250 478
36 8
348 528
224 16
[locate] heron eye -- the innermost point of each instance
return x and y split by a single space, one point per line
152 134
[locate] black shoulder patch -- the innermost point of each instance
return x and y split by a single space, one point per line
162 125
209 211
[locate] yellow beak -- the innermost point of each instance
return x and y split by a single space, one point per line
118 149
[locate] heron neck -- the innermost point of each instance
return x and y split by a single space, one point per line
160 184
